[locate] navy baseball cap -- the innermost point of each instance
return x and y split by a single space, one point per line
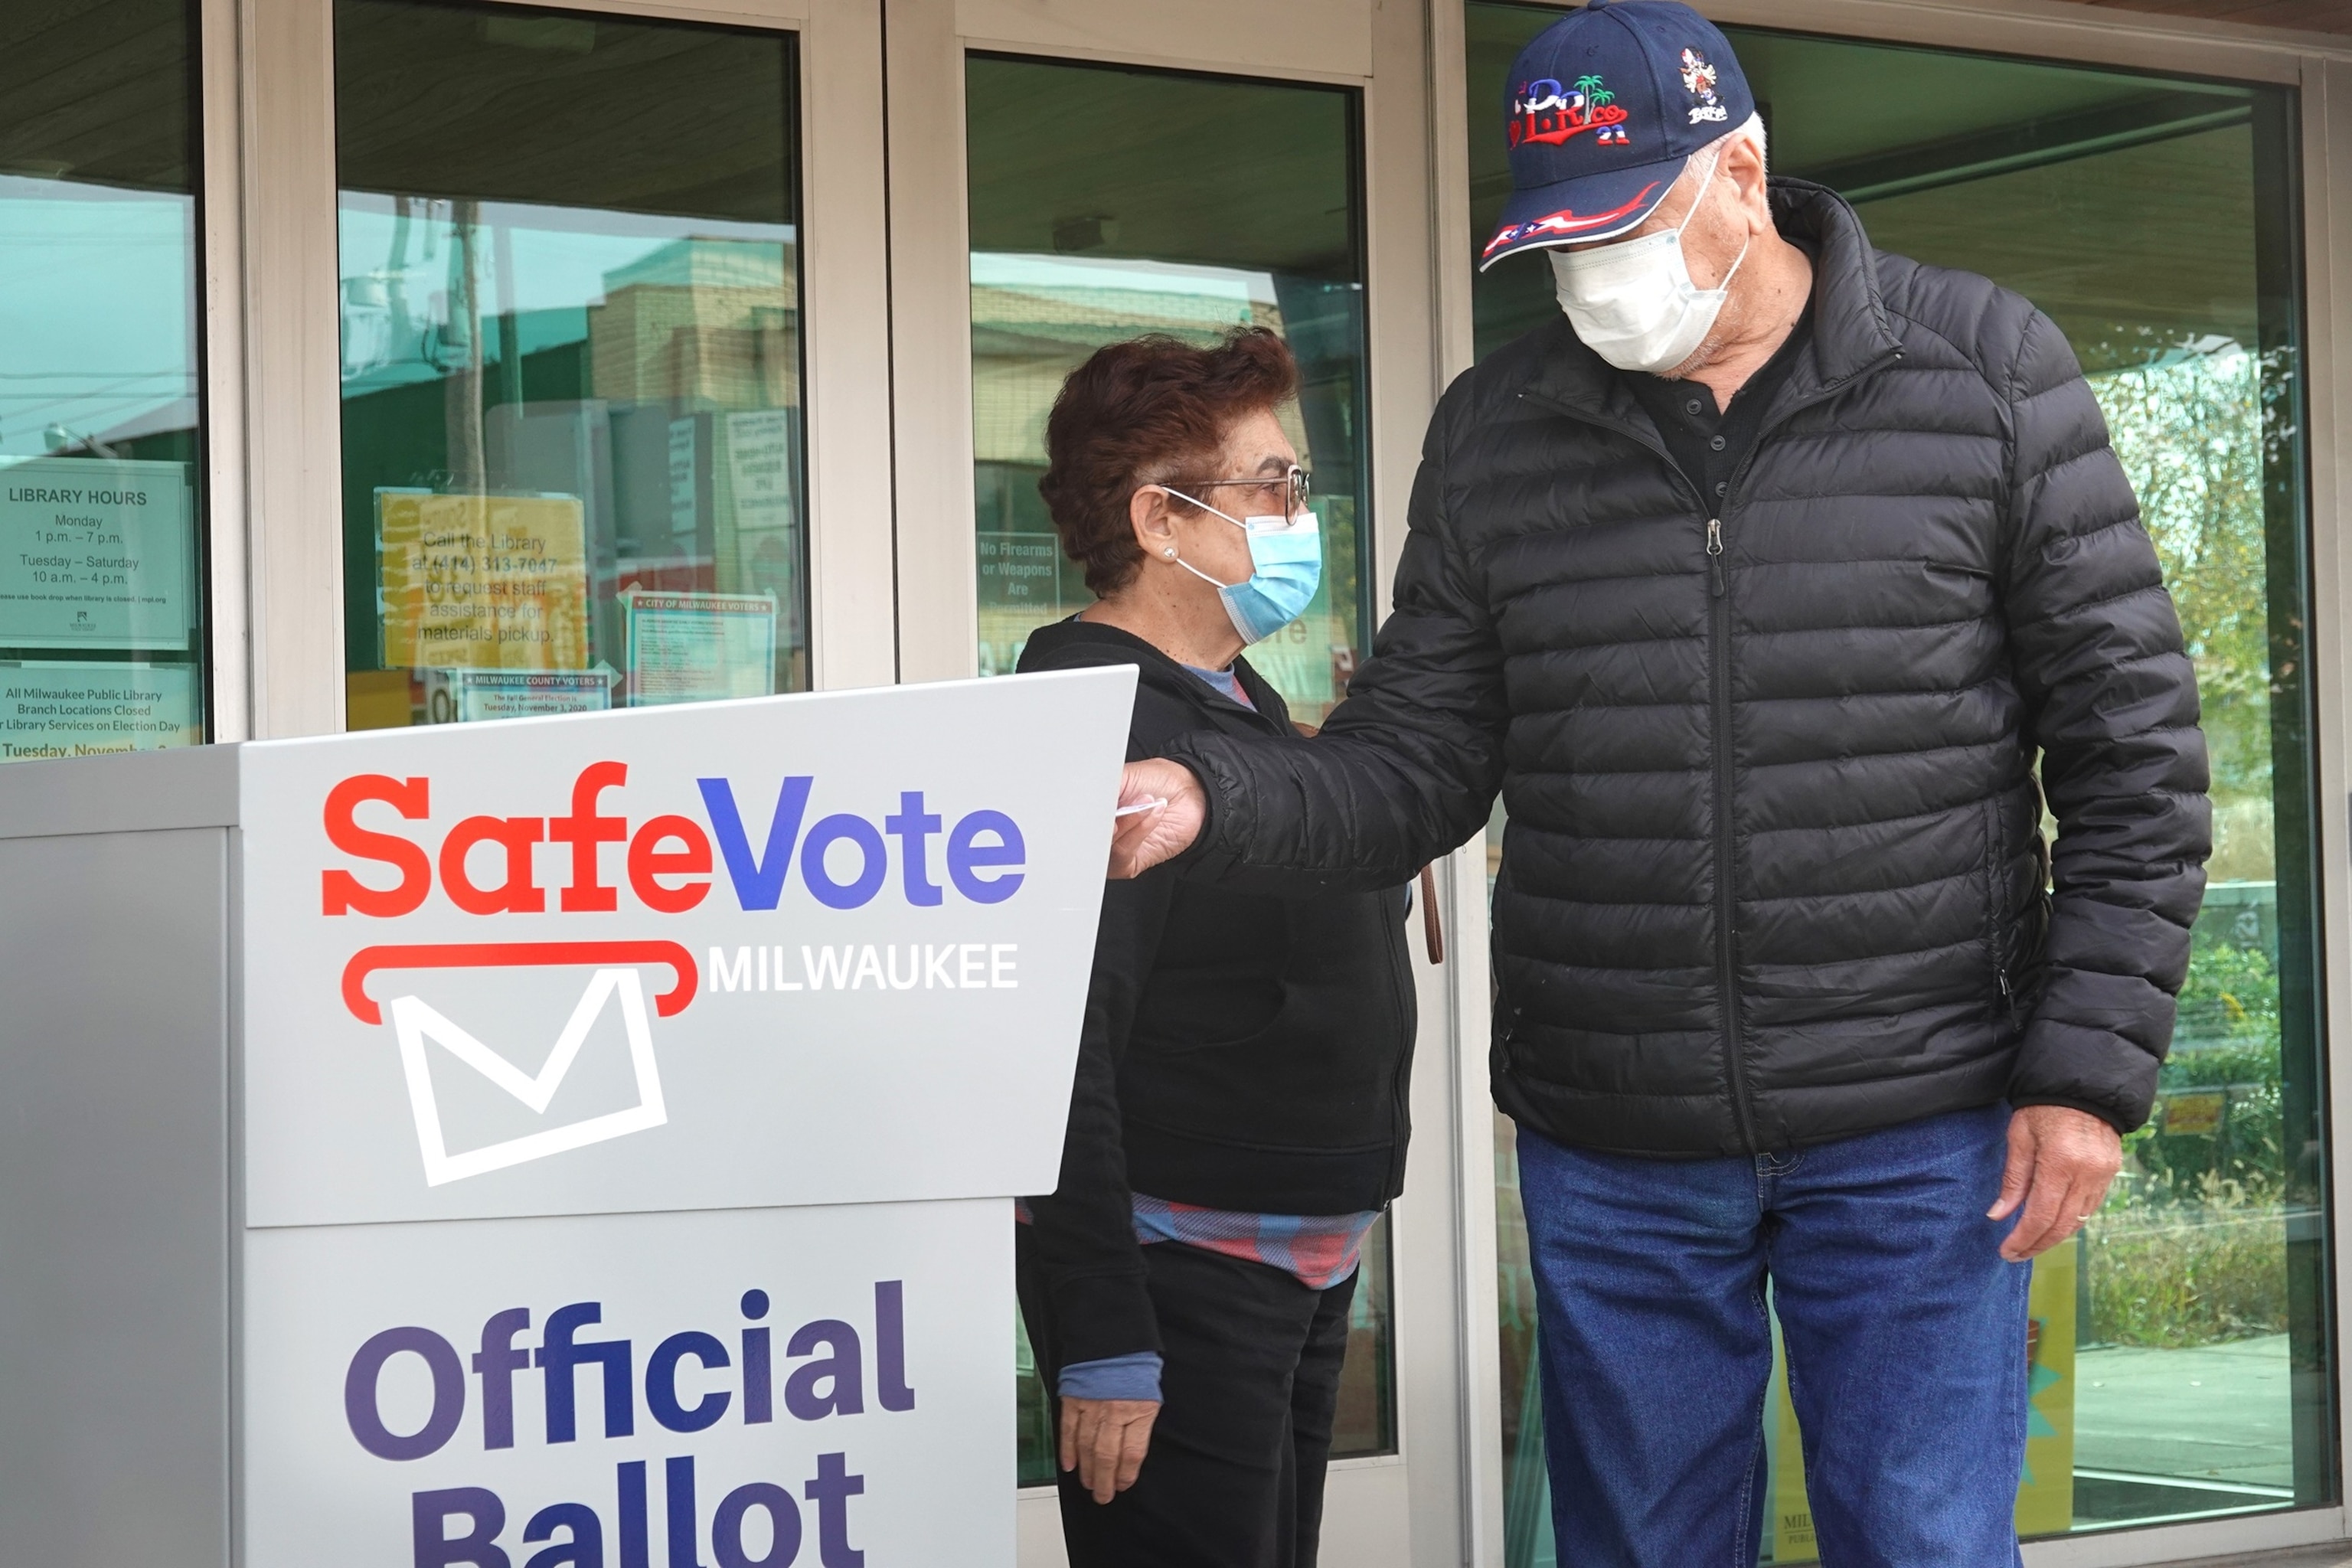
1605 107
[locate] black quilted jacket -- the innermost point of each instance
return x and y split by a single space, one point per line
1239 1051
1774 873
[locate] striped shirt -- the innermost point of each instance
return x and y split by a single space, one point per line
1317 1250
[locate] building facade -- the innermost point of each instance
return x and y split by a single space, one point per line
375 363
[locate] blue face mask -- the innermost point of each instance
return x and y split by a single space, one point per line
1285 567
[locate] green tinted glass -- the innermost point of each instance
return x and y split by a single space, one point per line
1110 202
571 405
101 592
2181 1366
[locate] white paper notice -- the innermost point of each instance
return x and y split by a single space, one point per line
83 710
463 696
692 648
760 468
95 553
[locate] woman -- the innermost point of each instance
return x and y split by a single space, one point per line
1238 1120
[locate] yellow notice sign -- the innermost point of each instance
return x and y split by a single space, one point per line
481 581
1792 1516
2046 1493
2196 1110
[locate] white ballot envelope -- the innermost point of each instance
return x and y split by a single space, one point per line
415 1023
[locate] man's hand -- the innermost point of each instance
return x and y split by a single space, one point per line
1105 1441
1141 842
2060 1160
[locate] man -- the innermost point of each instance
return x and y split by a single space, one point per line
1755 586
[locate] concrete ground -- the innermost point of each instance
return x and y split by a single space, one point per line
2336 1556
2217 1414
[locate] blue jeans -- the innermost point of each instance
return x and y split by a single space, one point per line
1906 1334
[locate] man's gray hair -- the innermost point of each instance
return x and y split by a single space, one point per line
1753 131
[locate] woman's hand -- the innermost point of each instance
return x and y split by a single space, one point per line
1105 1441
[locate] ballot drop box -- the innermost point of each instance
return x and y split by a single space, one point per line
568 1142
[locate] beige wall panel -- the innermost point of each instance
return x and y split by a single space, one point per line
1450 1491
1367 1510
1401 274
2327 303
931 343
294 444
1469 1005
229 704
1469 1001
1286 37
845 310
1450 168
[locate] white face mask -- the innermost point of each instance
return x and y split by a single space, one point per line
1633 302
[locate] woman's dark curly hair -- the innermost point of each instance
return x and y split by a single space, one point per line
1143 413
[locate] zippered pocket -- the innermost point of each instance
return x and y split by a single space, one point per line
1996 901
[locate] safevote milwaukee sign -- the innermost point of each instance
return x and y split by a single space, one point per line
789 951
621 1096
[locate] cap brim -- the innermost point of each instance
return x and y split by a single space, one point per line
1575 212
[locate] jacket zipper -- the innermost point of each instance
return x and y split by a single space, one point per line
1726 966
1727 900
1719 705
1996 901
1401 999
1727 889
1726 936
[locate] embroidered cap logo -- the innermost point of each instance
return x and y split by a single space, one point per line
1545 111
1698 81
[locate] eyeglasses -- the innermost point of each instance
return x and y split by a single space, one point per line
1290 490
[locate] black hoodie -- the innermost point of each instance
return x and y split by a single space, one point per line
1240 1051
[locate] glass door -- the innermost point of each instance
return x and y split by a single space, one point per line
2181 1357
102 435
1185 170
1110 201
572 433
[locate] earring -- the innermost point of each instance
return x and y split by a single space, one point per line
1170 553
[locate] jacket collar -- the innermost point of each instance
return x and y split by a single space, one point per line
1852 335
1071 641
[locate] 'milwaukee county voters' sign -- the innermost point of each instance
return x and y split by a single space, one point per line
626 1106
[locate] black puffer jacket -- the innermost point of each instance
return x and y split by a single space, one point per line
1239 1051
1774 873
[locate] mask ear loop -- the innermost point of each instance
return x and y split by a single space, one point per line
1179 560
1715 167
1736 262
